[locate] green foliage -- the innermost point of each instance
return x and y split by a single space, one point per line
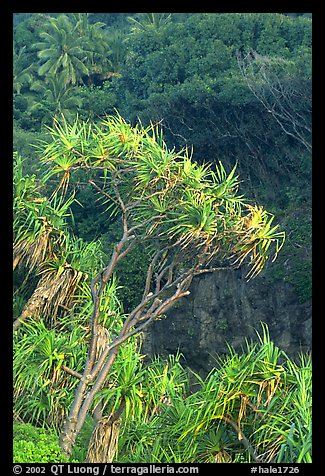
169 195
262 392
181 69
42 390
54 99
186 74
150 21
39 223
97 101
289 431
61 50
260 398
21 75
25 144
295 265
36 445
71 51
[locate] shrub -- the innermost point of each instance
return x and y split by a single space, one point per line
36 445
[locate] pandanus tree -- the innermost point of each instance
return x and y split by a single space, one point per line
44 247
22 74
252 406
186 216
36 220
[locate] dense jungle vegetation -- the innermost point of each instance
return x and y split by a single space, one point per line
146 147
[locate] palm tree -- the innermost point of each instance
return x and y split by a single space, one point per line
62 49
54 98
118 50
96 42
150 21
21 75
75 47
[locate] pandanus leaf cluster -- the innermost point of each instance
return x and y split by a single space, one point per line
168 197
254 406
45 248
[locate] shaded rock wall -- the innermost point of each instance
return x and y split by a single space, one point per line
223 307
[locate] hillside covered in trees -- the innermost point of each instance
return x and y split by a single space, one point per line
150 148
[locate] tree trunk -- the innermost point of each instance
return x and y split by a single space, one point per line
32 307
104 441
100 361
82 402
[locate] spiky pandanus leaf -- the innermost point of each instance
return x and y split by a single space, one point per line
255 238
38 222
42 389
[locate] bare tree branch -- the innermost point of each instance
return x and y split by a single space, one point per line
243 439
280 97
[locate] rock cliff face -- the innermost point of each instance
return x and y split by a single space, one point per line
224 308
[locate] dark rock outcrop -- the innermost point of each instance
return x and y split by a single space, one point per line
224 308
